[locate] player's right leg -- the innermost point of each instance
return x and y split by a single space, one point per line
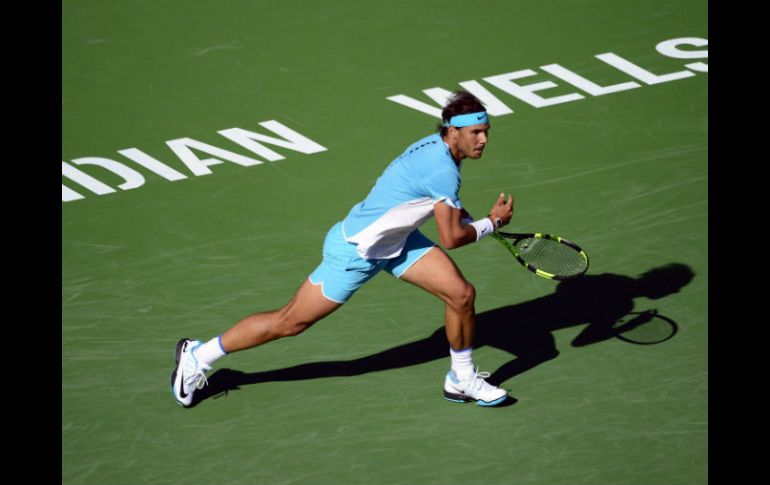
306 307
335 280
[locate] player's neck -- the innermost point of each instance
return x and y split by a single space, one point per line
457 156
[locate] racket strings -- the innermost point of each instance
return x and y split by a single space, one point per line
551 256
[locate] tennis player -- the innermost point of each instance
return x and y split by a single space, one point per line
381 234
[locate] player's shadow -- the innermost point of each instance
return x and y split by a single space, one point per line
524 330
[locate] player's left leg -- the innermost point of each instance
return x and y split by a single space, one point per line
437 274
425 265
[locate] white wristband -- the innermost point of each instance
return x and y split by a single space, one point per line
483 227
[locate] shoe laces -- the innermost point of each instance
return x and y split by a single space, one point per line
197 379
194 374
478 379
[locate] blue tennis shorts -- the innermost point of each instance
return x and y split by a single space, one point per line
342 271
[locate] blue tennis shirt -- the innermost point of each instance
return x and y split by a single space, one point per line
402 199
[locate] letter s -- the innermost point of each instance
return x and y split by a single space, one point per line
669 48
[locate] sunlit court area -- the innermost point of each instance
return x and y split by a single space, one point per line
209 147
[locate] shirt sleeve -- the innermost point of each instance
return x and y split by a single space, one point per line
445 184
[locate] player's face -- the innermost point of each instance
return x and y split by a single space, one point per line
471 140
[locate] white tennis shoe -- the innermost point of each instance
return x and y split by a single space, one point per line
189 374
472 389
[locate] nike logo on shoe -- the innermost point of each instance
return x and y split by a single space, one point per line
182 394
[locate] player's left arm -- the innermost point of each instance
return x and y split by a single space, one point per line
456 226
465 216
452 232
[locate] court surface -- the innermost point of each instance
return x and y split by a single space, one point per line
357 399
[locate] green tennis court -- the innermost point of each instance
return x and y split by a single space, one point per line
207 147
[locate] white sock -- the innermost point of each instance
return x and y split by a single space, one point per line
462 362
210 351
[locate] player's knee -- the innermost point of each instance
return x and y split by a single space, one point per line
291 329
291 325
294 330
464 297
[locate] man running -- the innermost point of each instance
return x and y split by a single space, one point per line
381 233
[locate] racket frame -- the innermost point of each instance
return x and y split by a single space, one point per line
505 239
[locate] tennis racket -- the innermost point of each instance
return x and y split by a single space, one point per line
546 255
645 328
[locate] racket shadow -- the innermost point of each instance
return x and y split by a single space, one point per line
523 330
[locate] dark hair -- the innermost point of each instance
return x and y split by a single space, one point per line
459 103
